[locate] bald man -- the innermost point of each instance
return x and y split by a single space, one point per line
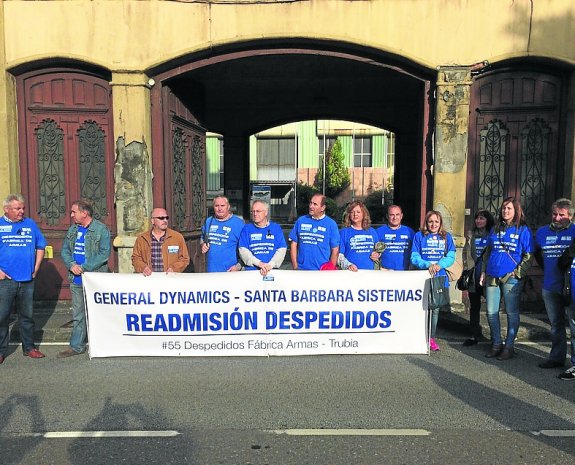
160 249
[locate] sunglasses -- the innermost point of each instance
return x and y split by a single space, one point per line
161 217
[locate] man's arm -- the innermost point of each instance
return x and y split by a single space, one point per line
139 262
39 258
293 254
66 253
333 256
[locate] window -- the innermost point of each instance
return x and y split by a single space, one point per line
276 159
362 152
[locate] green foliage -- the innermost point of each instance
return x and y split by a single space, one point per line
337 175
304 194
375 207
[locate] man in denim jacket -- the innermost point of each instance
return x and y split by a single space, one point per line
85 248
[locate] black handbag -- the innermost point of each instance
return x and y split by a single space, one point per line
438 293
466 280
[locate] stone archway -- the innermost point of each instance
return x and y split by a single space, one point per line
257 85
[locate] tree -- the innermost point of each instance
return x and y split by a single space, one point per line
337 175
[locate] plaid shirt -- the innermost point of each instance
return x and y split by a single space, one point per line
157 261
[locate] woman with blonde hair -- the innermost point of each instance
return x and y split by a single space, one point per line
357 239
433 250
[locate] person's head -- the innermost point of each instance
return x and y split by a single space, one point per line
317 205
484 220
433 223
561 213
394 216
259 212
81 212
14 207
222 207
159 219
511 212
357 215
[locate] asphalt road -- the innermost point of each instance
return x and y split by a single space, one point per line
453 407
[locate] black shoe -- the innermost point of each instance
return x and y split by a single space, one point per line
494 351
551 364
470 342
506 354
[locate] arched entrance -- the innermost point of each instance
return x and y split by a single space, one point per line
516 139
239 92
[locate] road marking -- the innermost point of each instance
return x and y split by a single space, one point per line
352 432
107 434
557 433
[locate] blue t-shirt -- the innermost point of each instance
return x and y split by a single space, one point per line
398 246
553 244
18 244
315 239
428 249
264 242
80 251
223 237
356 245
507 249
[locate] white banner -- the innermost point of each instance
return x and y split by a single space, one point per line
243 314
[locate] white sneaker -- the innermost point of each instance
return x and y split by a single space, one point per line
568 374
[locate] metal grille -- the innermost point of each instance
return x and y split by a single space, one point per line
179 178
197 176
50 149
92 152
534 155
492 153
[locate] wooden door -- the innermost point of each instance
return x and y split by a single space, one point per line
513 143
66 153
182 188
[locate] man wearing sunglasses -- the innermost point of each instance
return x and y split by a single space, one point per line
160 249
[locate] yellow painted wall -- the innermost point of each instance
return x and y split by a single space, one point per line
135 35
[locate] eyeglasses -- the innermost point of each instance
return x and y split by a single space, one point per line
257 211
161 217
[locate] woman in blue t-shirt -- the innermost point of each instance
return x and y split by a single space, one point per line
506 260
433 249
475 243
357 239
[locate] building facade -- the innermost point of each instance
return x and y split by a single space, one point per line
112 99
284 157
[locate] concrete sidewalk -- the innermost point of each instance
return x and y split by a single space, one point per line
53 322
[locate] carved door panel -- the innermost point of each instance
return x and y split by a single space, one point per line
66 153
513 143
184 173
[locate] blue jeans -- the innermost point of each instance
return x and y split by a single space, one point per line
434 317
79 332
23 294
511 291
556 313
